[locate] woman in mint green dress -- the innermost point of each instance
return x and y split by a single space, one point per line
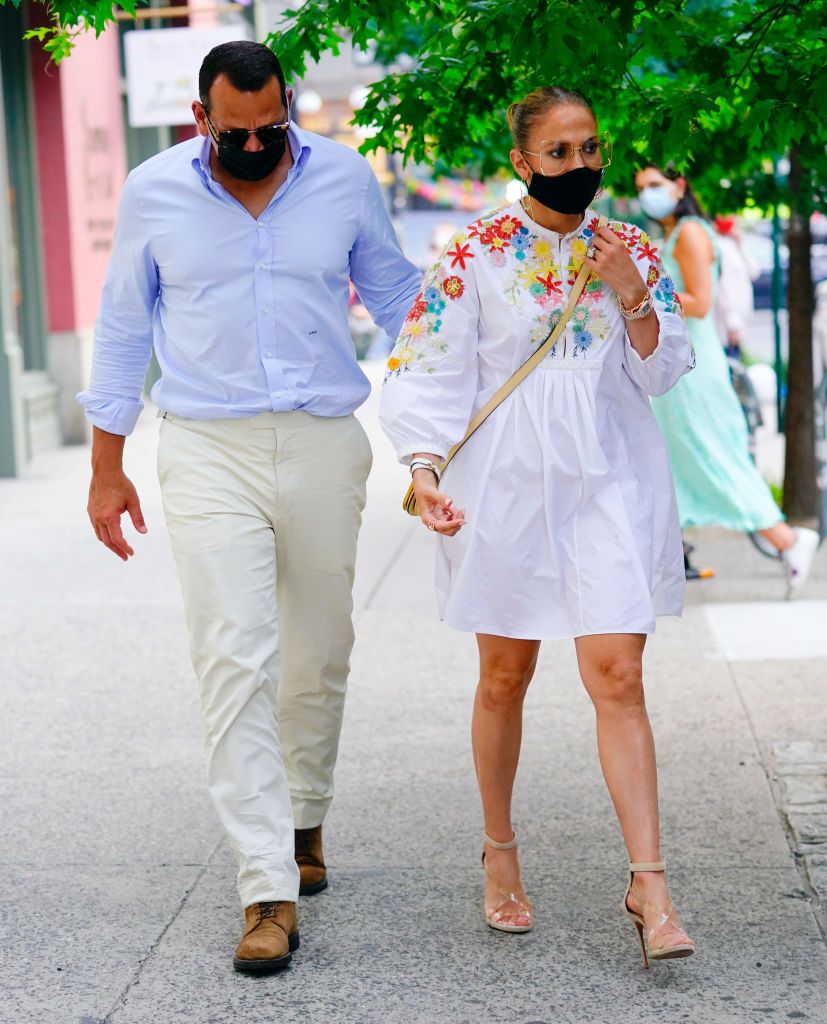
701 418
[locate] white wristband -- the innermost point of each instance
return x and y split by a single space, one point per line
426 464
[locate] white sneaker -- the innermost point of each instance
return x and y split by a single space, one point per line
798 560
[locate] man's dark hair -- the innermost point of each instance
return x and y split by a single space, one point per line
249 67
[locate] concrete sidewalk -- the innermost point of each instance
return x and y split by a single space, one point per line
118 894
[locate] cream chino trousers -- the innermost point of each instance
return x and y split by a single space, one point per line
263 514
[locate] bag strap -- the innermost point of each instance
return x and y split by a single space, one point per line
533 361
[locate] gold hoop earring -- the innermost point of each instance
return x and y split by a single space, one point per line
526 203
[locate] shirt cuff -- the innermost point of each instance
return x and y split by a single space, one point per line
114 415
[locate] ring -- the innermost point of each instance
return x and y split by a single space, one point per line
432 524
591 252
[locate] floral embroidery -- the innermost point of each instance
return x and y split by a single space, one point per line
665 293
453 286
419 307
420 339
507 226
534 282
647 251
459 254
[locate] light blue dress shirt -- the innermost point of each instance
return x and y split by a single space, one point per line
246 315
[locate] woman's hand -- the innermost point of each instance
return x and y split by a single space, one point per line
613 264
436 510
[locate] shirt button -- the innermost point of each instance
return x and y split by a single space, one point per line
262 266
260 224
265 309
279 394
269 355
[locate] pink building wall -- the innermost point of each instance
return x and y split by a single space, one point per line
82 156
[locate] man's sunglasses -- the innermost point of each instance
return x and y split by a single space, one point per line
236 138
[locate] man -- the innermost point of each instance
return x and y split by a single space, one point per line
232 256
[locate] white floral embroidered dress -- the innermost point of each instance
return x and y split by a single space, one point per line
572 527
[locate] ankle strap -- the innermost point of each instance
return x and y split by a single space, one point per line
654 866
501 846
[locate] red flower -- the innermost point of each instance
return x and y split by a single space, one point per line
459 254
593 225
453 286
417 310
507 226
633 238
550 285
648 251
653 276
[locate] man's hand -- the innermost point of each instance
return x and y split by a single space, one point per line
112 493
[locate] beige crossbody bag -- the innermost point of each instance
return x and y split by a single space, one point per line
409 502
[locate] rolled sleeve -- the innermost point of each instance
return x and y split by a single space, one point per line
123 332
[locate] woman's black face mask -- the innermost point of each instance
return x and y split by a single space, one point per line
566 193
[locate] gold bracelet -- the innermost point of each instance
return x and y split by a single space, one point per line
641 310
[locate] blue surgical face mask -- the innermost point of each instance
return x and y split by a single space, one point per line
657 201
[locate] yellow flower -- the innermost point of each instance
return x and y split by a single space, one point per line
578 248
414 329
393 364
542 247
406 355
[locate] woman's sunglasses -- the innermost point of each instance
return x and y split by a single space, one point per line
236 138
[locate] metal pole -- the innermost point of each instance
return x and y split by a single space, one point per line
776 314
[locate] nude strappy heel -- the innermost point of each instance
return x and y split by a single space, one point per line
494 917
648 939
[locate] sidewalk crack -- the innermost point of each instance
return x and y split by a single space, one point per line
120 1002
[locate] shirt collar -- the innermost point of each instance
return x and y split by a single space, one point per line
297 140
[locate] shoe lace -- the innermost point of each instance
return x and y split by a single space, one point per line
268 910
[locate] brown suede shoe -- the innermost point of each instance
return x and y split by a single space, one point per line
310 859
270 937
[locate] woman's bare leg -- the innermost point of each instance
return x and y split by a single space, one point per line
506 669
611 667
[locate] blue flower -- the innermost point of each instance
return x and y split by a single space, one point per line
583 339
431 294
666 289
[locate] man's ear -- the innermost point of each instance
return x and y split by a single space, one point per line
200 116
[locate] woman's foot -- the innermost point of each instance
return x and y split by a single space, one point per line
798 560
506 904
649 898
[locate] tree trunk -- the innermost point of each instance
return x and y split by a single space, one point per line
800 490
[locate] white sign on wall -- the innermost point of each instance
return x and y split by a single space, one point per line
162 67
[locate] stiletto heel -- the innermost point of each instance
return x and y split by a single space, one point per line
648 944
642 942
494 917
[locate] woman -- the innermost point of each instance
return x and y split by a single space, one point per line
571 527
705 429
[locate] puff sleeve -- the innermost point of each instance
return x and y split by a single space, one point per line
431 379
